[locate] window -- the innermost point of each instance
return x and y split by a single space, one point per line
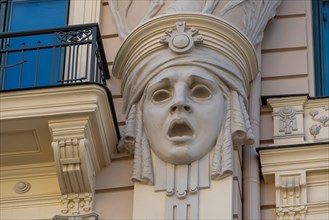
321 46
19 69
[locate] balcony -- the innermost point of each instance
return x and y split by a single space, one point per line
58 124
57 56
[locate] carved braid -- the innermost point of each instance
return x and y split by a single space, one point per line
237 120
147 169
138 149
131 124
128 136
217 160
222 158
237 130
250 136
143 170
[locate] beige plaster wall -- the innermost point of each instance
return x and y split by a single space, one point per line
287 66
114 189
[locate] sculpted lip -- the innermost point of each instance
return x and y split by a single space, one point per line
180 130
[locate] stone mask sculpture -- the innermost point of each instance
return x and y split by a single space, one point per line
185 83
176 112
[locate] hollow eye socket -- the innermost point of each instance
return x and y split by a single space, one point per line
201 92
161 95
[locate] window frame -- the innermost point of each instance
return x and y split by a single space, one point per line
7 25
321 66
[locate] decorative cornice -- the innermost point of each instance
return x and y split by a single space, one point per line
315 103
54 102
282 159
26 171
288 101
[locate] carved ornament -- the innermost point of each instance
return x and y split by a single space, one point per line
184 99
323 119
181 41
250 17
76 164
185 84
77 203
22 187
291 195
288 121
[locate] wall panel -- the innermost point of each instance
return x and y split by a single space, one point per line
285 86
266 128
287 63
292 8
285 33
111 46
107 24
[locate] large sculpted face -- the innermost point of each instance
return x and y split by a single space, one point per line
183 112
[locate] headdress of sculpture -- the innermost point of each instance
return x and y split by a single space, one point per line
185 84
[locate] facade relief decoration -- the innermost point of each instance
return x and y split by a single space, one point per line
91 216
76 204
315 130
321 119
288 121
22 187
249 16
185 83
76 166
185 102
291 195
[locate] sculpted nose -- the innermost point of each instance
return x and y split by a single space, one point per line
180 105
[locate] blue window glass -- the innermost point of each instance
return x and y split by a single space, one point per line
321 46
37 67
325 11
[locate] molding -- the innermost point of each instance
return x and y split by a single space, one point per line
91 216
309 158
266 109
46 101
53 103
29 201
26 171
318 208
287 101
316 103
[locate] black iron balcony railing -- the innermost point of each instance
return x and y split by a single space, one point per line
65 55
